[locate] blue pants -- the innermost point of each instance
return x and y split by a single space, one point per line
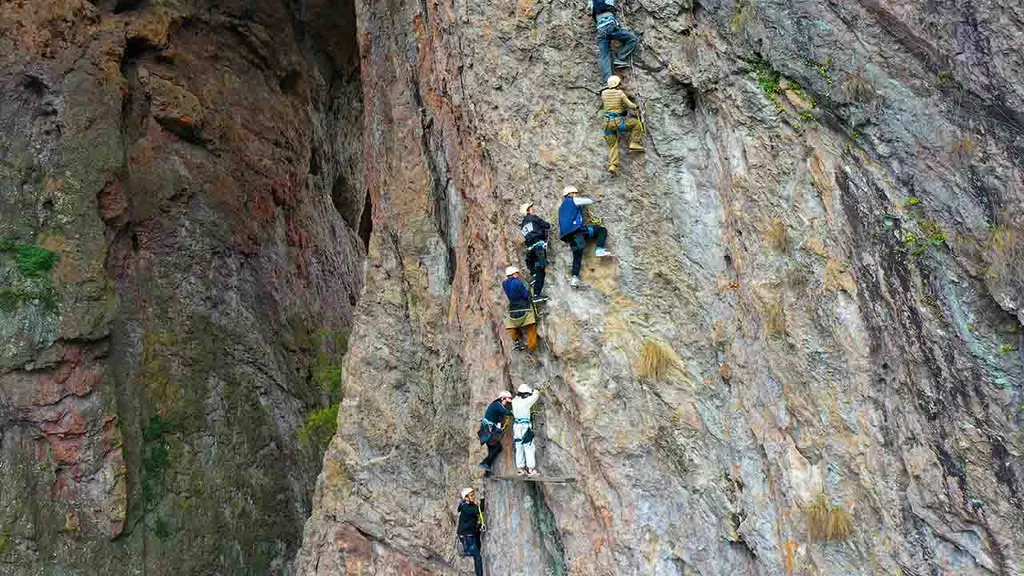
604 45
471 544
578 243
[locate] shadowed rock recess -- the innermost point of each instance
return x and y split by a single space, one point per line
182 199
826 230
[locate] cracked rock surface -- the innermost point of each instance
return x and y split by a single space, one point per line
825 232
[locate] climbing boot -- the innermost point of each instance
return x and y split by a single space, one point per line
520 471
613 170
533 472
517 345
601 253
574 282
540 299
637 148
620 64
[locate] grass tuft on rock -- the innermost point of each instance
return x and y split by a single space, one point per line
657 360
776 236
774 316
32 261
1005 258
826 522
858 87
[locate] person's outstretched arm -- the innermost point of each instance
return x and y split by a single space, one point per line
581 201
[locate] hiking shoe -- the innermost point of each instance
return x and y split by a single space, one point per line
620 64
574 282
637 148
533 472
517 345
521 472
601 252
612 170
540 299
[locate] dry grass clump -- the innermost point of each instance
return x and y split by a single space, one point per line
858 87
774 316
828 523
657 360
1005 258
776 235
963 150
743 17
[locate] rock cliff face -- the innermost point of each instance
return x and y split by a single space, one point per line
182 197
822 245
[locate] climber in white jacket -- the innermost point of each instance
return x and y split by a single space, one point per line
522 430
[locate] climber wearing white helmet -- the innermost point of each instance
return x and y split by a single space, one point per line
470 524
614 108
521 316
522 430
574 231
492 427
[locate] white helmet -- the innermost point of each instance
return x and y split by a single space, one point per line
511 270
504 394
569 190
614 81
466 492
524 209
525 389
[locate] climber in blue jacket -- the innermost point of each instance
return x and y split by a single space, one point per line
576 233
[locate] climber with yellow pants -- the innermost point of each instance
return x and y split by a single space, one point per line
522 430
614 107
522 318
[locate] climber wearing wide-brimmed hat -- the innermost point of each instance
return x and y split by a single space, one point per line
609 29
535 236
522 430
614 105
521 316
492 427
574 231
471 523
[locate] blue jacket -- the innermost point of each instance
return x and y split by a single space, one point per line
516 290
570 218
496 412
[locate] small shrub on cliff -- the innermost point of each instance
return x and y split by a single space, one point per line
828 523
657 360
743 17
319 428
963 150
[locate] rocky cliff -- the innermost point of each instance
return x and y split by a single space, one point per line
820 251
183 230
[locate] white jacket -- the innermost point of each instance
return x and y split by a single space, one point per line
521 406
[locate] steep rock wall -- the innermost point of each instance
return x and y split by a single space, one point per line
182 197
825 229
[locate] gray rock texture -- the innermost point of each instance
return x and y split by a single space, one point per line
825 232
182 198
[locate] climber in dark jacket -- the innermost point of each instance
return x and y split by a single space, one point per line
576 233
469 528
535 236
492 427
522 318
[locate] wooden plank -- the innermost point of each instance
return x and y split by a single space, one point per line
551 479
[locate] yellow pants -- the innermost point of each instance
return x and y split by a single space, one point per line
611 137
530 330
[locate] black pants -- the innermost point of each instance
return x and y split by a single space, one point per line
493 449
536 261
472 546
578 243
